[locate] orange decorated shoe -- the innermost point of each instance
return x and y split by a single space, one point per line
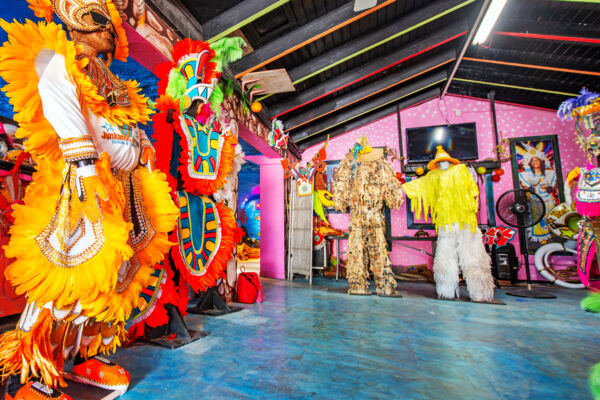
100 372
37 391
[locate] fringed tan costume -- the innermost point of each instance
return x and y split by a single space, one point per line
364 183
88 235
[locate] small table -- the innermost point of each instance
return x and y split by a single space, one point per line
337 238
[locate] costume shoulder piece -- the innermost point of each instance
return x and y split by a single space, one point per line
32 42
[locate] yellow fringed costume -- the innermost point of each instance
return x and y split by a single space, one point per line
83 253
450 195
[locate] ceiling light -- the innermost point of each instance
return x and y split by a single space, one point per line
361 5
490 18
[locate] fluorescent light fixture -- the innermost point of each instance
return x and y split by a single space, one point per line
489 20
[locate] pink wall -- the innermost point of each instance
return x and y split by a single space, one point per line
513 121
272 217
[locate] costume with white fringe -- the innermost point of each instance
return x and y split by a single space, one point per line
450 196
82 260
365 181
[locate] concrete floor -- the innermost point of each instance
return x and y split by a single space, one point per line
319 343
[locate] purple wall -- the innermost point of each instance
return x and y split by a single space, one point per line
513 121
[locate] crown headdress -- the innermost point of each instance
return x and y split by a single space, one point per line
586 108
102 14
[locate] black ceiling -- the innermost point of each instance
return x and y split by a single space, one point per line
351 68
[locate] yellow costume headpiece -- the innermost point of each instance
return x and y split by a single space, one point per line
102 14
440 156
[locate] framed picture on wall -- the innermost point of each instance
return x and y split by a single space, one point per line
536 166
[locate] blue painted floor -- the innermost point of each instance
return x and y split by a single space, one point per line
318 343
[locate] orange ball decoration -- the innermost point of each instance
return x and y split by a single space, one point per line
495 178
256 107
420 171
499 172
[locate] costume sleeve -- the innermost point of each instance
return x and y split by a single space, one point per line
471 189
420 192
392 192
61 107
341 185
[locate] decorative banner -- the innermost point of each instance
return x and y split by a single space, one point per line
499 236
277 137
207 234
304 175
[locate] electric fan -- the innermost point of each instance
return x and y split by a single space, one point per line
523 209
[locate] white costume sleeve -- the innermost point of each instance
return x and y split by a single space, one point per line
60 103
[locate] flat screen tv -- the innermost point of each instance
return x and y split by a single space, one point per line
459 140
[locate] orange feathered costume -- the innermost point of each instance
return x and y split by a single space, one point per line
82 277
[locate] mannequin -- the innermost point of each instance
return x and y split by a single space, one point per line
96 216
450 193
364 181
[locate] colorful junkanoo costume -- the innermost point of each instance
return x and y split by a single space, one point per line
95 221
364 181
586 109
195 146
451 197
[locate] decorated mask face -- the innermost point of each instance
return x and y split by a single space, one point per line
593 145
193 68
443 165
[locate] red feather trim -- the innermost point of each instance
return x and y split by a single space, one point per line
180 50
231 234
163 134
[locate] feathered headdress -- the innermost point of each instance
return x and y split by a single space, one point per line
102 14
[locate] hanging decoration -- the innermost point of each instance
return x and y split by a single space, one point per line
304 175
277 137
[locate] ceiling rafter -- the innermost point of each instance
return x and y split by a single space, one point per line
423 45
540 36
371 117
366 91
370 105
301 37
505 85
466 44
532 66
358 46
239 16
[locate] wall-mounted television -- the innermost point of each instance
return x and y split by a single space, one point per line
459 140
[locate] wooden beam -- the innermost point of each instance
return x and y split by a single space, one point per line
371 117
374 67
502 75
354 48
561 38
500 84
176 14
529 57
368 106
532 66
466 45
306 34
238 16
374 88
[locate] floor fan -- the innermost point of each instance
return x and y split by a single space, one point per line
523 209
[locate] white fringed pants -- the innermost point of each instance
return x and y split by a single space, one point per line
462 248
